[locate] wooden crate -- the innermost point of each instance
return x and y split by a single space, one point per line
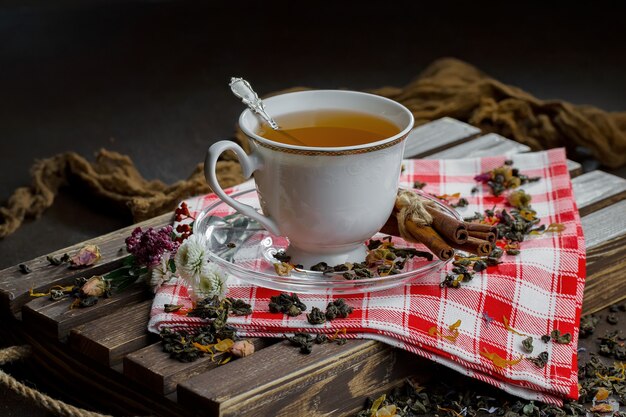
106 350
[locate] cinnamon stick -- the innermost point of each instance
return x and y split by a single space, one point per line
474 245
422 234
448 227
488 236
479 227
431 239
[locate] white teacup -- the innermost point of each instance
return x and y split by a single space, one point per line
326 201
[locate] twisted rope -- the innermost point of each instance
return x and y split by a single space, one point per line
56 407
412 207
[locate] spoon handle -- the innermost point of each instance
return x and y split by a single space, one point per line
242 89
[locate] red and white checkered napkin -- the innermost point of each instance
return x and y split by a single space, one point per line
539 290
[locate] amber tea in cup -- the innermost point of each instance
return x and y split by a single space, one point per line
329 128
331 188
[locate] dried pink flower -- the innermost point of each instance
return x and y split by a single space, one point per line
86 256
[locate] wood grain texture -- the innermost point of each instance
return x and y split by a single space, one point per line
437 135
91 384
605 238
14 286
55 319
332 380
597 189
487 145
155 370
108 339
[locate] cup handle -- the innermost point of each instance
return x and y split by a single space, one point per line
249 164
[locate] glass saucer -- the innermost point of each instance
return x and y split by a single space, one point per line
244 249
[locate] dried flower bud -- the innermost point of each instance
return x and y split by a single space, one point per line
86 256
95 286
242 348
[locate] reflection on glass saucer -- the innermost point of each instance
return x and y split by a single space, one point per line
243 248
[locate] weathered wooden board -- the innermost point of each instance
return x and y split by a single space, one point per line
280 381
228 401
437 135
154 369
597 189
487 145
605 238
15 286
490 145
108 339
55 319
574 168
277 380
91 384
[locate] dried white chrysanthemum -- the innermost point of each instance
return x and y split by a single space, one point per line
191 258
212 282
161 273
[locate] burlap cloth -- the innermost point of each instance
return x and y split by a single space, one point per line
448 87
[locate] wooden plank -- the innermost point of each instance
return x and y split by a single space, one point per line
491 144
250 399
93 385
437 135
108 339
597 189
55 318
487 145
15 286
605 238
332 380
155 370
574 168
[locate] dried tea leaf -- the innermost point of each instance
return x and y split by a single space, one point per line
316 316
560 338
527 344
283 269
541 360
288 304
419 184
238 307
338 308
172 308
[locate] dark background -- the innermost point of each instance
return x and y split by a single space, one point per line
149 78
